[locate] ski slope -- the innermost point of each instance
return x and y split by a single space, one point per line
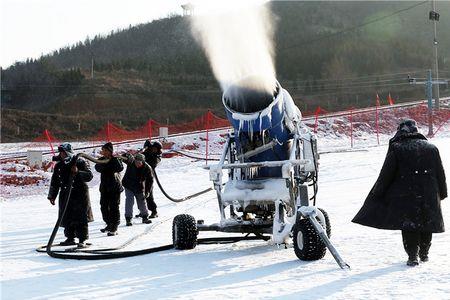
245 270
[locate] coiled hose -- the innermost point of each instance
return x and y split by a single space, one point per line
107 252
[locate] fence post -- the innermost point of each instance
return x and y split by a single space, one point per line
150 129
47 135
429 85
108 132
207 134
376 124
351 127
316 118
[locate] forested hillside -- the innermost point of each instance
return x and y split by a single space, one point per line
332 54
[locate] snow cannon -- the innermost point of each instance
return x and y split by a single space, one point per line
258 119
271 160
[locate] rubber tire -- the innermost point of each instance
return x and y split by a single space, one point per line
312 247
327 222
184 232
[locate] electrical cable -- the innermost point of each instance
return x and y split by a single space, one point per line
380 76
338 84
305 43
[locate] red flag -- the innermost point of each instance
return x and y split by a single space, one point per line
378 100
391 101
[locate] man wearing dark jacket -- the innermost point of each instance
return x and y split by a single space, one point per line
408 192
136 175
78 212
110 188
152 155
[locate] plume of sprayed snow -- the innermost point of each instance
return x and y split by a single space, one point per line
238 44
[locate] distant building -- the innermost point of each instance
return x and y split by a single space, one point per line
188 9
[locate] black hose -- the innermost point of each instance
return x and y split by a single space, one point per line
58 254
316 175
177 200
193 157
101 254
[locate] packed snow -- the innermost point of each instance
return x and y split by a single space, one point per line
245 270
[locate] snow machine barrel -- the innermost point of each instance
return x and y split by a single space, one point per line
258 117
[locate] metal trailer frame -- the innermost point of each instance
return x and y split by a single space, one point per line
297 171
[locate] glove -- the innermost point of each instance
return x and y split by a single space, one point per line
52 201
56 158
74 170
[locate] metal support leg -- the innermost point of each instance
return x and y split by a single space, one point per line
310 213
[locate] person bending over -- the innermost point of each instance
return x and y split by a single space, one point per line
137 173
152 155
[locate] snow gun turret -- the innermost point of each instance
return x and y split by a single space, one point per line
272 163
265 124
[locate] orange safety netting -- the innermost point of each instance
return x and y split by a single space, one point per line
112 132
44 141
376 120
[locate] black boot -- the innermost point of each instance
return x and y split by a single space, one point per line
423 252
112 230
146 220
154 214
82 244
411 245
412 261
68 242
105 229
129 222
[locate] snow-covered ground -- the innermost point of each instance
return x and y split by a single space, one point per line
246 270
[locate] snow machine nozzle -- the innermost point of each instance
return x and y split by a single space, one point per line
252 107
256 111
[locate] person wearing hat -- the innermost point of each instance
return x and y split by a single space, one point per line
408 192
136 175
110 188
152 153
78 213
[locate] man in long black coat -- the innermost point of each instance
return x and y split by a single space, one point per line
152 155
408 192
79 212
110 189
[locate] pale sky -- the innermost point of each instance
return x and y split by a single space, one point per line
30 28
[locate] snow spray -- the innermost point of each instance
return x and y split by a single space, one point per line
238 41
239 46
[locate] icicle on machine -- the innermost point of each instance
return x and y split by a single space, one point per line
272 163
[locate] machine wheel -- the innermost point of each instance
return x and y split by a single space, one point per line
327 222
184 232
307 243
